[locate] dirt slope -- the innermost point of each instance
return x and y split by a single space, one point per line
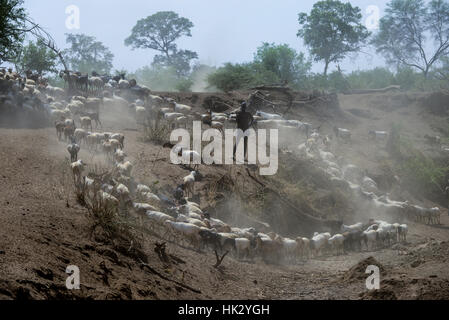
44 229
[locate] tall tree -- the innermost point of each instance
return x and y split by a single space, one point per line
288 65
86 54
37 57
332 30
12 28
179 60
407 30
160 32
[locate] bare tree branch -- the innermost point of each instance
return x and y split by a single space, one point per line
42 35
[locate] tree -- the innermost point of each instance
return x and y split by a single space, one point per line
86 54
371 79
332 30
272 64
232 77
12 28
283 61
160 32
36 57
406 30
180 60
158 78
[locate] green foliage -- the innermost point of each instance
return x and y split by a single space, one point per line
243 76
284 62
421 173
179 60
424 174
36 57
233 77
371 79
184 85
56 81
337 82
12 24
273 64
408 78
407 30
332 30
86 54
160 32
159 78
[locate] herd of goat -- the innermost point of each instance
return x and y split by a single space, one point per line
184 221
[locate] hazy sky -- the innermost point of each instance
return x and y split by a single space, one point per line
224 31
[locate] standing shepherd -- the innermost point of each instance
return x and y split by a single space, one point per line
244 120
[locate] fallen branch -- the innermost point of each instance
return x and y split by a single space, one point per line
168 279
159 248
219 260
275 88
363 91
308 101
224 103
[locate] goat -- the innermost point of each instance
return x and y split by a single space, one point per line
86 123
73 149
189 183
77 169
344 134
94 116
402 232
336 243
59 129
80 135
189 231
125 168
378 135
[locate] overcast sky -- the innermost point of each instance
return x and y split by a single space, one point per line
224 31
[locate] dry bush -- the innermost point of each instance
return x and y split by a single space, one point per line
108 225
156 134
219 188
65 186
421 174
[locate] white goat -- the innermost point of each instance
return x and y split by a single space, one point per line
77 169
187 230
352 228
344 134
378 135
336 243
125 168
182 108
189 183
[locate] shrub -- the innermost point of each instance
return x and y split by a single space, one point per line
232 77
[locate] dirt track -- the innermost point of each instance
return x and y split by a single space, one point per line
44 230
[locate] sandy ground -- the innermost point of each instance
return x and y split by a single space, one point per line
44 230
